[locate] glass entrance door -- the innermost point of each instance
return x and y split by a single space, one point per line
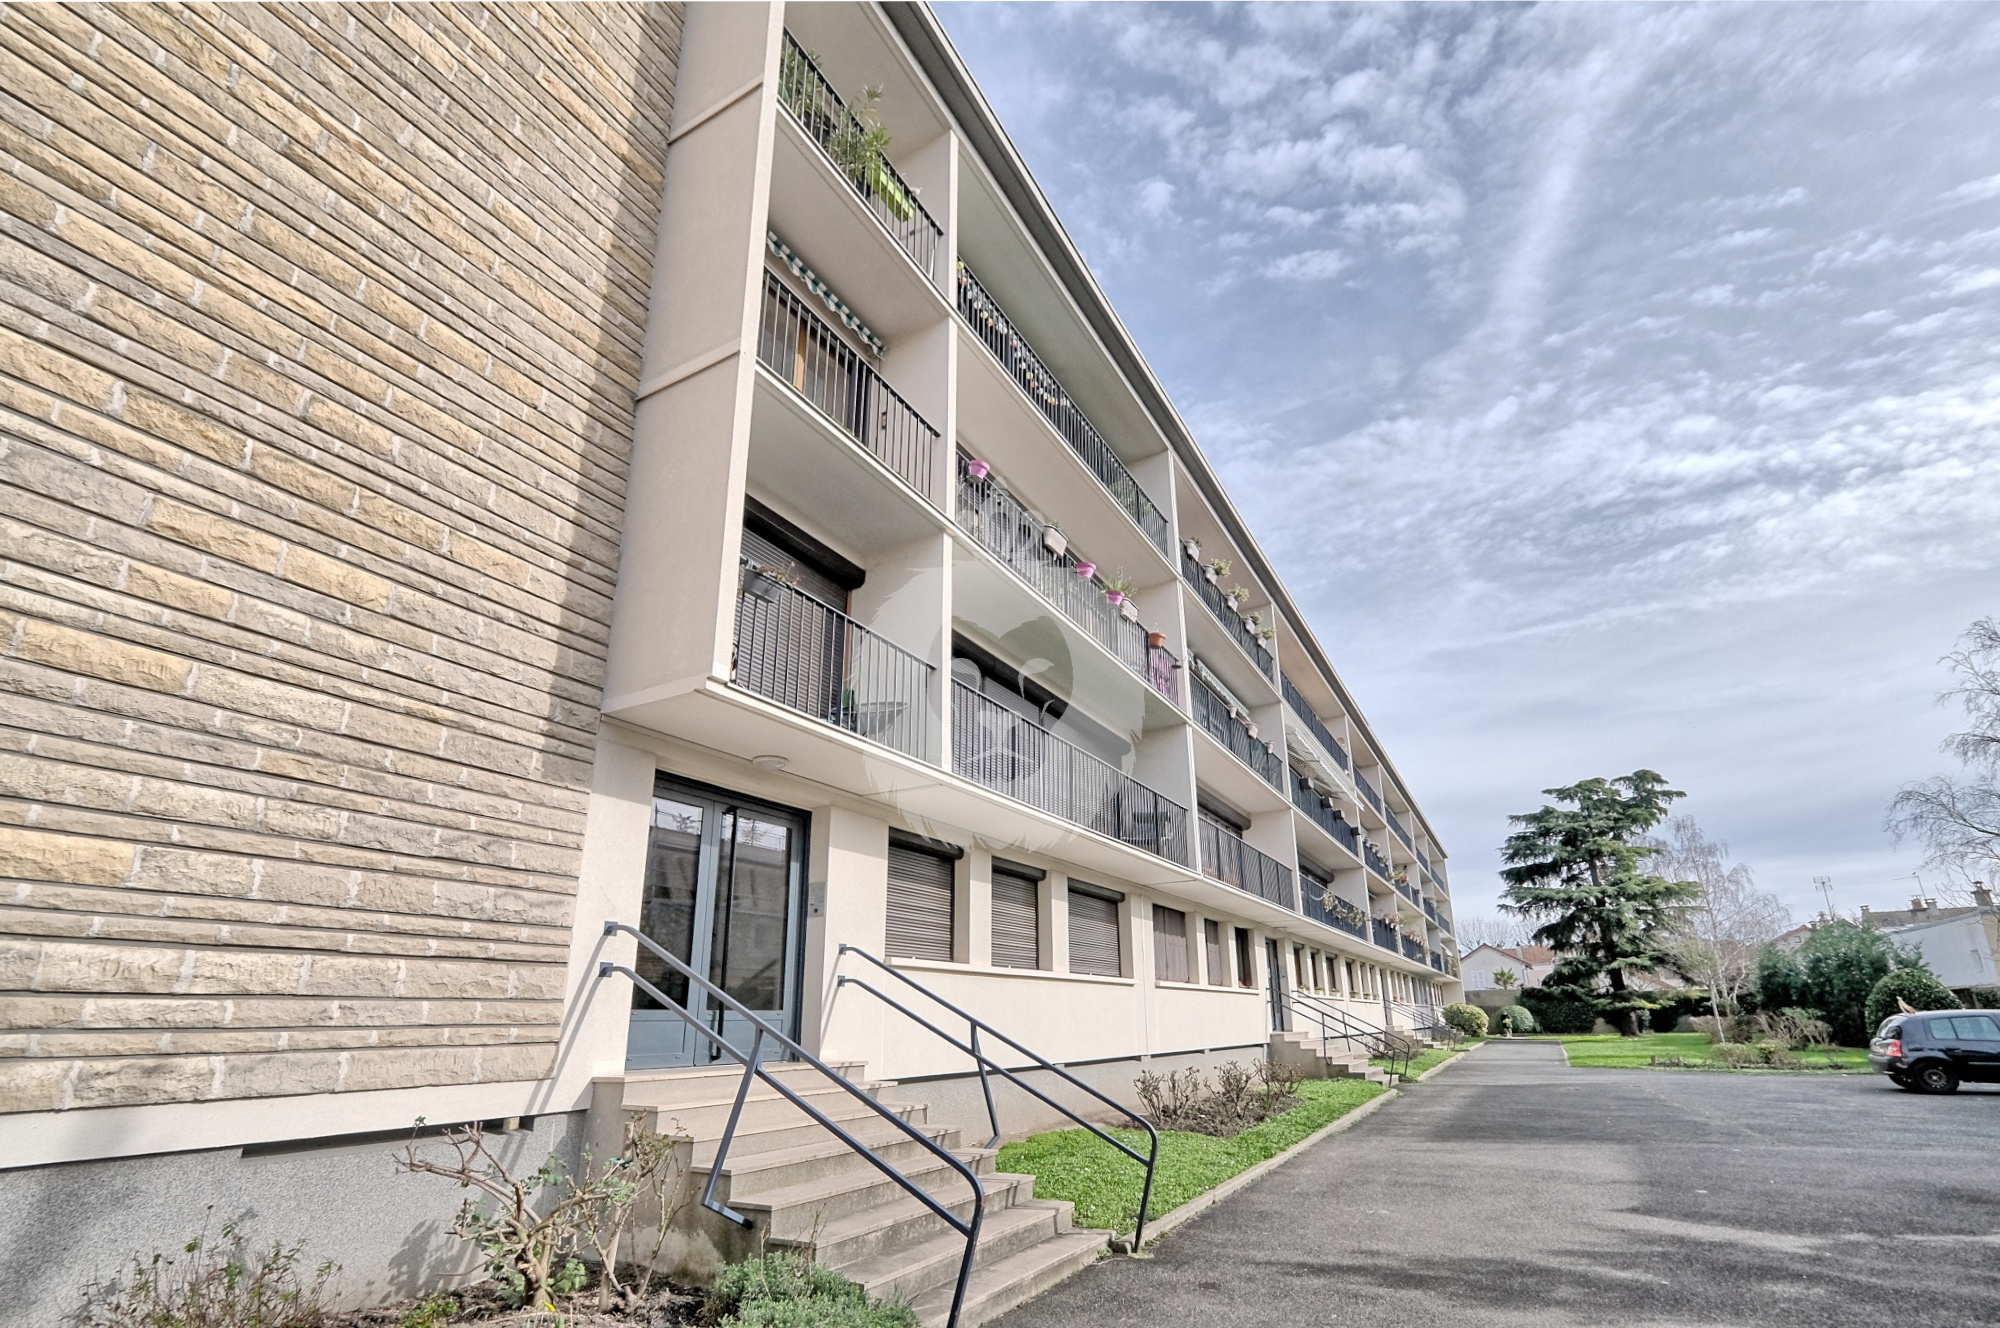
723 885
1277 990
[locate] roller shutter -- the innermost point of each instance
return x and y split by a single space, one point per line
1017 921
1218 962
920 904
1170 950
1093 934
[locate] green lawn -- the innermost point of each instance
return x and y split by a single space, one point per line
1623 1053
1104 1184
1430 1059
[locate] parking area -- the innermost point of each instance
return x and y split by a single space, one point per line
1513 1190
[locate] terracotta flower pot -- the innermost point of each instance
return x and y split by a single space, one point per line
1157 640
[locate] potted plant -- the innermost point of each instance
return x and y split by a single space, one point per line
1216 570
1192 548
1054 540
1085 569
1157 640
1117 589
1238 597
976 468
1267 633
1129 610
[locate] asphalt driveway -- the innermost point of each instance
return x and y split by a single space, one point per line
1513 1190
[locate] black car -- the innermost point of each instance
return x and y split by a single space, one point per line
1934 1053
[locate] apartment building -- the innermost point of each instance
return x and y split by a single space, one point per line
477 475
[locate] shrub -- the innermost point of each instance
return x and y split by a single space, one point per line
1667 1015
1561 1009
218 1284
1780 979
791 1291
1914 985
819 1312
1183 1100
1522 1017
1735 1053
1467 1019
1843 961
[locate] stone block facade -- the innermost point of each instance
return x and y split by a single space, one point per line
319 335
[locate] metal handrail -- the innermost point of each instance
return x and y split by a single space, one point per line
1375 1039
987 1063
753 1069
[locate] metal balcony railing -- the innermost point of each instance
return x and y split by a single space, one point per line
1405 889
792 649
1226 858
1382 933
1324 814
1412 949
1437 961
1368 791
996 331
1396 824
804 91
1212 713
1011 754
1314 724
1003 527
1376 862
801 347
1317 903
1225 613
1430 910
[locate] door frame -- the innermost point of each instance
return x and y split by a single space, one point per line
668 785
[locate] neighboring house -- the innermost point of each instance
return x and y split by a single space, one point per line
1958 943
1530 965
1793 939
477 473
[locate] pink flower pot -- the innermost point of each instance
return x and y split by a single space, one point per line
979 470
1086 570
1114 597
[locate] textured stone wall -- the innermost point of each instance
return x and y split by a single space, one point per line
319 329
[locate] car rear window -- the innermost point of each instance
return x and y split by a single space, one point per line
1966 1028
1891 1028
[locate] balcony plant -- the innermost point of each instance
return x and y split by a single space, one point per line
1192 548
1054 540
1156 640
1216 570
857 146
1086 569
978 469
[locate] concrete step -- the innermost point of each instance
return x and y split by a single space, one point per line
704 1111
908 1271
671 1085
755 1135
794 1212
827 1158
905 1221
1000 1286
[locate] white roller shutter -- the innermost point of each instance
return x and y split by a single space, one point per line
920 904
1170 950
1017 920
1093 934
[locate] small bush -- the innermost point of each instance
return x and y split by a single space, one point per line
431 1312
1735 1054
1467 1019
819 1312
1914 985
218 1284
1183 1100
1521 1016
1561 1010
791 1291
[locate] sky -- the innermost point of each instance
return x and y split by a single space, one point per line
1613 386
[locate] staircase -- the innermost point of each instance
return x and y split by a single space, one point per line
805 1190
1331 1059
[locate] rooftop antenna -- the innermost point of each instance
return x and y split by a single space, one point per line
1825 884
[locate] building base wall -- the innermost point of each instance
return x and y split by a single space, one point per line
78 1225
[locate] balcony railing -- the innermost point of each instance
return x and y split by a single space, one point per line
1323 814
1228 859
1314 724
1213 714
1225 613
1382 933
801 653
992 326
1376 862
1437 961
1368 791
1335 912
1396 824
1412 949
1011 754
805 92
1430 910
1405 889
800 347
991 515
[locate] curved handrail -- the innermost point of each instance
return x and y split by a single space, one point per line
987 1063
753 1068
1376 1039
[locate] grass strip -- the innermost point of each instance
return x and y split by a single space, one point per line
1104 1184
1430 1059
1609 1051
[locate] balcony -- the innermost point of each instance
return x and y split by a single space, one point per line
1396 824
1226 858
809 656
1382 934
1324 814
1321 906
1225 613
1413 949
1314 724
996 332
1222 724
1437 961
1404 888
1376 862
826 119
1430 910
1002 526
800 347
1011 754
1368 791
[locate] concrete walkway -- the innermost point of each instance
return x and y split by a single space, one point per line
1513 1190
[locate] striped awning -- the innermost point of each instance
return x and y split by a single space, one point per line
835 305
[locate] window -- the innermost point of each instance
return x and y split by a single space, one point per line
1093 932
1017 916
920 903
1319 973
1968 1028
1298 967
1246 970
1218 962
1170 948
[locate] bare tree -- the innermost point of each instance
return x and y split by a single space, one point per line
1958 820
1477 929
1729 921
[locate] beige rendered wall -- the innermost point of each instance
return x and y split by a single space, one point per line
320 328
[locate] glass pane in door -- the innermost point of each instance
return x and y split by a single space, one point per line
748 951
667 915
